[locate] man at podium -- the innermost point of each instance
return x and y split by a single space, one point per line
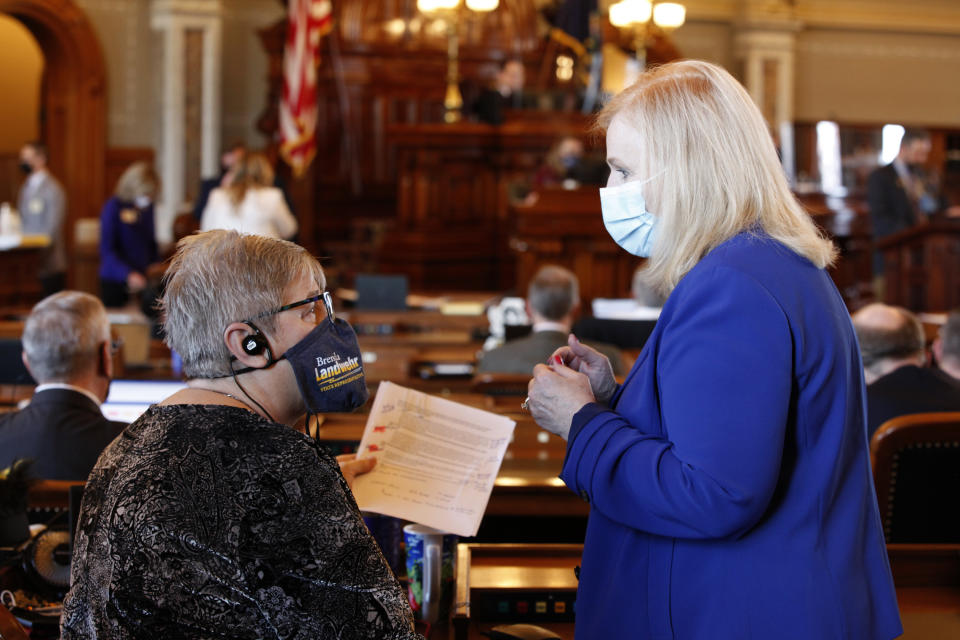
902 193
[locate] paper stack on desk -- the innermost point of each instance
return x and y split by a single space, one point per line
437 460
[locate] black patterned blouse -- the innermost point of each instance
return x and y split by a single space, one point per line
207 521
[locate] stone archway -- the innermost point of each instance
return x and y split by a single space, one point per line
73 99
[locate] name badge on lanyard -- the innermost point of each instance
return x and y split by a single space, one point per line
129 216
35 205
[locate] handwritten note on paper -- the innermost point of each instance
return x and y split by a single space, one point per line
437 459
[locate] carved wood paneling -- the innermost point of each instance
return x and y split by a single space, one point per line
565 227
922 266
452 214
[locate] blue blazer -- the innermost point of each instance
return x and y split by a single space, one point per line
729 481
127 239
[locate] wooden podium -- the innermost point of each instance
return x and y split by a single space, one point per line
922 266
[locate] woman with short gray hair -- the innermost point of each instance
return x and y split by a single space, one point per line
212 516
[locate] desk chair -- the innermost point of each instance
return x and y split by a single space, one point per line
500 384
12 369
916 470
626 334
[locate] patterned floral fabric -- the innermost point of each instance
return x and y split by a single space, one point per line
204 521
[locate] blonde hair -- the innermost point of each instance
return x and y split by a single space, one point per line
139 179
720 172
254 172
219 277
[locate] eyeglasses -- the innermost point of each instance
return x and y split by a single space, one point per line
324 297
115 346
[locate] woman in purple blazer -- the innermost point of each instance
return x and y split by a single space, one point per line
728 476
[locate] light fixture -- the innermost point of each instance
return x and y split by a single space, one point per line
449 12
482 6
564 68
634 17
669 15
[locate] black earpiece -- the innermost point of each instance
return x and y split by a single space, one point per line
255 344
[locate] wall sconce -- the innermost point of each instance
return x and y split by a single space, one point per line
449 12
633 17
564 68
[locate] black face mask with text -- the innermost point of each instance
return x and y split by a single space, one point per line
328 366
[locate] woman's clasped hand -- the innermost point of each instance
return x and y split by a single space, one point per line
574 376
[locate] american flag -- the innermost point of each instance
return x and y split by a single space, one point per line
308 21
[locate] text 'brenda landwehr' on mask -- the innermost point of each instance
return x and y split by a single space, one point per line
332 366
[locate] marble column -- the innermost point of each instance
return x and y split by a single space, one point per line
191 32
765 44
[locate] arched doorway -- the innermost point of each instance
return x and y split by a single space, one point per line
73 100
22 62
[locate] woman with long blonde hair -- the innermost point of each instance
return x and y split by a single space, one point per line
728 477
250 203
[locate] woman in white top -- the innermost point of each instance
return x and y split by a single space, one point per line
250 203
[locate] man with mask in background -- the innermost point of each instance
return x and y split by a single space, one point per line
43 207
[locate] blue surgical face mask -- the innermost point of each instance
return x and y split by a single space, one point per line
626 217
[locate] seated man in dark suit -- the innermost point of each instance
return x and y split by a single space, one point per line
553 300
67 348
894 359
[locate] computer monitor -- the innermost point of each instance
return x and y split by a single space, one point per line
381 292
129 399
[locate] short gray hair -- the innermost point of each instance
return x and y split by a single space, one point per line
887 333
219 277
553 292
62 334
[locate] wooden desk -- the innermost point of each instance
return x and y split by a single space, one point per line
420 320
930 610
922 266
426 367
20 266
565 227
514 577
927 577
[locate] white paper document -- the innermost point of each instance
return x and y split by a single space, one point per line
437 460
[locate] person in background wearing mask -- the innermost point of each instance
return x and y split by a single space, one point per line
728 478
561 163
214 516
68 351
43 209
128 245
